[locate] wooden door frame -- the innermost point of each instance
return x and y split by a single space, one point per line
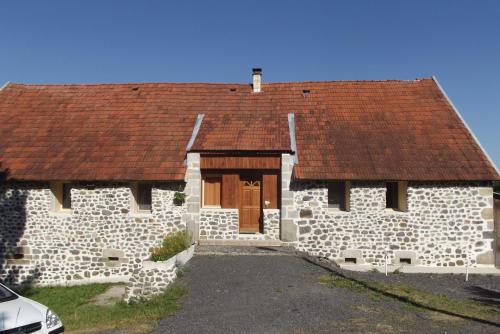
259 176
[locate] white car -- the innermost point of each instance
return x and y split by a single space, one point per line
19 315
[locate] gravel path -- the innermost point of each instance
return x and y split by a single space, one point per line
281 294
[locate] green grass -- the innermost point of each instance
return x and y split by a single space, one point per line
335 281
416 300
78 315
173 244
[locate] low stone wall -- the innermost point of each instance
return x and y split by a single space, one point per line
151 279
100 240
222 224
272 223
154 277
446 224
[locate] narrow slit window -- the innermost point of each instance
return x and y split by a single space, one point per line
391 196
66 196
212 191
395 197
62 195
338 195
143 197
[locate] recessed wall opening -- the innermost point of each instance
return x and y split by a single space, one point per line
351 260
405 260
113 258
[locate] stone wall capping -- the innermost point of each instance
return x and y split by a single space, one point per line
160 265
183 257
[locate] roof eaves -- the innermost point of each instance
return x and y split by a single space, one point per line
465 124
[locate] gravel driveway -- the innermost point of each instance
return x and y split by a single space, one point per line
281 294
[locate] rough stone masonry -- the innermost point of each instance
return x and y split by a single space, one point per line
445 225
101 239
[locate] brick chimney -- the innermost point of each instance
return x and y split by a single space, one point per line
256 79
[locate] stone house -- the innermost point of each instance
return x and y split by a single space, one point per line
348 170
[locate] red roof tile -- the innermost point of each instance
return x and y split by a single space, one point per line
344 130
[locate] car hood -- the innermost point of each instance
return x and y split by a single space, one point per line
20 312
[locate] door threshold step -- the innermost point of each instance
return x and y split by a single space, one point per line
250 243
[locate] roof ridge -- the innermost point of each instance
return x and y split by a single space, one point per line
128 84
211 83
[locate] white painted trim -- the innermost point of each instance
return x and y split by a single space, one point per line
465 123
5 85
196 129
293 144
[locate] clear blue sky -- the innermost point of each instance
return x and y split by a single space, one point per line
220 41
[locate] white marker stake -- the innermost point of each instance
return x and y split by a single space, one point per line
385 261
467 270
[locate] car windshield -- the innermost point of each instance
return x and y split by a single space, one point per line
6 295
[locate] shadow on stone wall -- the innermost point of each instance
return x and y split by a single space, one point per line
12 227
496 228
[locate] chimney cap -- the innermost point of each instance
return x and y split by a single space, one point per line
256 70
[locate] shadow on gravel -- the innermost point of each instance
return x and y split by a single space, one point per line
333 268
485 296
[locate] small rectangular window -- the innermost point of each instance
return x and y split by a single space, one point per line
62 195
395 196
212 191
338 195
391 196
143 197
66 196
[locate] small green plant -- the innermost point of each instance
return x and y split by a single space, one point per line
179 198
173 244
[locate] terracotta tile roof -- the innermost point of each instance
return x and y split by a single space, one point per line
345 130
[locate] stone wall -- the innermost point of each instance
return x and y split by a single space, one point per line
497 230
193 194
223 224
220 224
288 227
100 239
445 224
150 279
272 223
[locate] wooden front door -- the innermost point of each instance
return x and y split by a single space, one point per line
250 204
